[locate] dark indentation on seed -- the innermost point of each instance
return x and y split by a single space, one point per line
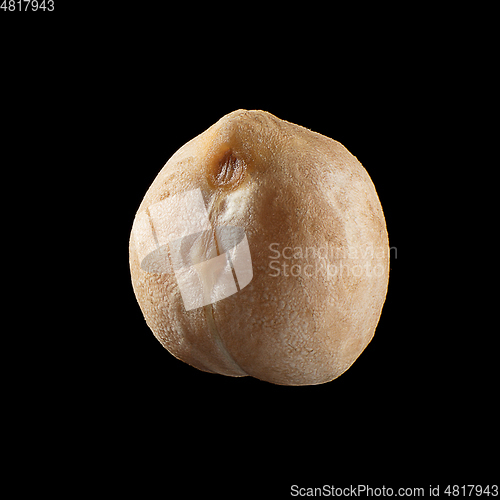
230 170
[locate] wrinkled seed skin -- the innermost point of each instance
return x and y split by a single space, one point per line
291 187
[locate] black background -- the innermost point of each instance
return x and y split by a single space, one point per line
105 101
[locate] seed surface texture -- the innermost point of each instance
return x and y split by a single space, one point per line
261 250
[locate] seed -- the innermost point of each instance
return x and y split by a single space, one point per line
261 249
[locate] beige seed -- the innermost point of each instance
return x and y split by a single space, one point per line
261 249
